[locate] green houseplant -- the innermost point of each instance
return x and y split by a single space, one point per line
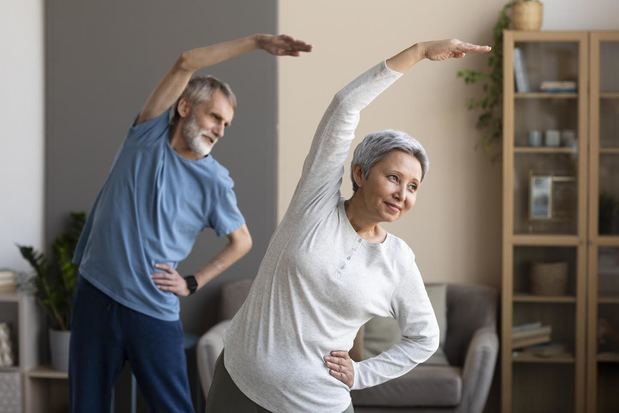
490 103
54 281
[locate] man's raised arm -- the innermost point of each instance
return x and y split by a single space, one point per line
174 82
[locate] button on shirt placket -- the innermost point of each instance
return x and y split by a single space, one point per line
349 257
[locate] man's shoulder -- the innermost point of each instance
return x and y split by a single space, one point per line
219 175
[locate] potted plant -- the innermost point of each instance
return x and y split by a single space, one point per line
490 104
54 281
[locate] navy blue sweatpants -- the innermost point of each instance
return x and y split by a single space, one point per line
106 334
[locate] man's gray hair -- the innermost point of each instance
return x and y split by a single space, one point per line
200 89
376 145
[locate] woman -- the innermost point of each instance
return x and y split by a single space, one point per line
330 267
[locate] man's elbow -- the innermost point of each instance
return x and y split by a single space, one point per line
242 241
183 63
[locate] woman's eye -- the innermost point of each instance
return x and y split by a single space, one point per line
412 187
393 178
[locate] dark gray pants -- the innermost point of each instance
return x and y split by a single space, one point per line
224 396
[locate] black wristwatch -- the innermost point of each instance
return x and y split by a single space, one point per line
192 283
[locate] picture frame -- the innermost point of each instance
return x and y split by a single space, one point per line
540 197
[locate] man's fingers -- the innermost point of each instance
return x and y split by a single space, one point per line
165 267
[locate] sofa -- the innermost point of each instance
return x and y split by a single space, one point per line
460 385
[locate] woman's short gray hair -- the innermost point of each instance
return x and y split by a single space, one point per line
376 145
200 89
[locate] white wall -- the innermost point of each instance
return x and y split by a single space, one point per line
22 137
581 15
455 229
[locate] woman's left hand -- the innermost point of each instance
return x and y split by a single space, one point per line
340 366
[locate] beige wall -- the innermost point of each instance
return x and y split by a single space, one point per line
455 227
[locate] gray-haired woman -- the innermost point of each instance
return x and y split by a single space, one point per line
330 267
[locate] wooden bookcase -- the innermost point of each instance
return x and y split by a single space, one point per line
603 264
561 205
545 218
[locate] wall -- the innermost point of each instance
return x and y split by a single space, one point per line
455 228
103 60
21 142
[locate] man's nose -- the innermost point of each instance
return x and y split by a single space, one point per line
219 131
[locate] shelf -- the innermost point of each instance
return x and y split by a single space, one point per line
608 300
9 297
549 240
545 95
560 150
608 357
609 95
13 369
607 240
527 298
609 151
46 372
529 358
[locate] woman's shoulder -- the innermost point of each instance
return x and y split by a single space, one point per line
399 246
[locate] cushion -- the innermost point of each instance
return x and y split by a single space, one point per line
380 333
233 295
422 386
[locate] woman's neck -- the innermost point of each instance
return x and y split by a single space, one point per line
362 223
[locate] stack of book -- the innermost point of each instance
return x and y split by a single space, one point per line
530 334
8 281
556 86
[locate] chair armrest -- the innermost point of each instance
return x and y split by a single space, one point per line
479 369
209 347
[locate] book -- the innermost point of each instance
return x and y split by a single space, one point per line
526 326
530 341
547 350
532 332
555 86
520 73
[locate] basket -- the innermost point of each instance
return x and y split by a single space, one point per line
10 392
527 15
549 278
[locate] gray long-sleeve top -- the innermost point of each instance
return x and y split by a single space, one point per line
319 282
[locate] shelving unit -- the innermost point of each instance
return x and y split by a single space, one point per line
576 225
20 311
532 383
603 281
47 390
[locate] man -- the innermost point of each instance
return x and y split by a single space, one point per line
161 192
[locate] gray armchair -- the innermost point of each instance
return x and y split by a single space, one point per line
471 346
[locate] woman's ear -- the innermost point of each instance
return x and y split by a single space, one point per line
357 174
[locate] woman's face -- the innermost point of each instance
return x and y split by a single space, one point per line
391 187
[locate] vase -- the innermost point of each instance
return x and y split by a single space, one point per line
527 15
59 349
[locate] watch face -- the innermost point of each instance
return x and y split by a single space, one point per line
192 283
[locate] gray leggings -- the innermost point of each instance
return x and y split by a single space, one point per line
224 396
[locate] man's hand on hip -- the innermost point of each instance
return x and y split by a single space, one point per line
170 280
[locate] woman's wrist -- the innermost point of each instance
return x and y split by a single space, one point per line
407 58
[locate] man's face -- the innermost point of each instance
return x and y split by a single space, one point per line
206 123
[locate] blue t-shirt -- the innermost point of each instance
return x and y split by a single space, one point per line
150 210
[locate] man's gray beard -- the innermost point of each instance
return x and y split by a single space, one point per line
193 137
